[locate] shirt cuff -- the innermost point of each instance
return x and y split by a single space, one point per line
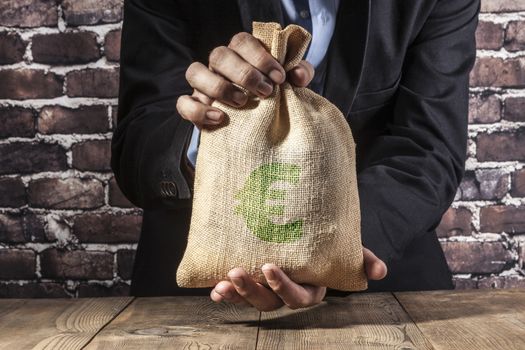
193 147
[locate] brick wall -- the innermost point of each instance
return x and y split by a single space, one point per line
66 229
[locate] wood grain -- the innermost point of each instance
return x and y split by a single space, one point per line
54 323
474 319
180 323
357 321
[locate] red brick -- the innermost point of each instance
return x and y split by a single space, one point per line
107 228
27 83
493 183
100 290
501 146
455 222
12 192
112 45
502 5
28 13
484 109
476 257
114 116
489 35
116 197
17 264
464 283
25 158
16 122
34 227
125 261
92 155
33 290
518 183
515 36
500 218
501 282
21 227
72 193
498 72
92 11
469 187
77 264
82 120
65 48
12 48
515 109
12 228
93 83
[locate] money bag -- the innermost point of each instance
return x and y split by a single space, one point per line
276 183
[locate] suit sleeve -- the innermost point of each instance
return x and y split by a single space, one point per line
414 169
151 139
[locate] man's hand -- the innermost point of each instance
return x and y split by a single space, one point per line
241 289
244 62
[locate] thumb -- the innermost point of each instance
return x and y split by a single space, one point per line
302 74
375 268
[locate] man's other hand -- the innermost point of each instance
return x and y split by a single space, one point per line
242 289
244 62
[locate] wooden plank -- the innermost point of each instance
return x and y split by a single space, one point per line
469 319
54 323
180 323
357 321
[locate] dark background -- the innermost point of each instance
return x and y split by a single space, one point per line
65 227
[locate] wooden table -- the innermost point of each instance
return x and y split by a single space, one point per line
477 319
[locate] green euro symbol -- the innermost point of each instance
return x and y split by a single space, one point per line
253 205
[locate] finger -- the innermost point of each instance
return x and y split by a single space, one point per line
214 85
217 297
375 268
224 291
254 293
293 295
252 51
233 67
318 292
202 97
302 74
227 290
197 112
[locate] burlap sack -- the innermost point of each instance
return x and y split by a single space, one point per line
277 183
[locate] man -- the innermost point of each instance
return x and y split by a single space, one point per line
398 70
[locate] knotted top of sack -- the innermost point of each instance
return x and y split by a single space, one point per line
286 45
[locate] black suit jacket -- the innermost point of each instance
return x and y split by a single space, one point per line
397 69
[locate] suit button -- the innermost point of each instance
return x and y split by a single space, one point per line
304 14
168 189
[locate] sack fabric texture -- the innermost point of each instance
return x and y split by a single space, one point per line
276 183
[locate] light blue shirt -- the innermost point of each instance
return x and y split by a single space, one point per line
316 16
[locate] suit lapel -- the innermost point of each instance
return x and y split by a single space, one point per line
261 11
346 53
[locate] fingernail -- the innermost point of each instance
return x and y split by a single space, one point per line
276 76
226 295
265 88
239 97
239 282
269 274
213 115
